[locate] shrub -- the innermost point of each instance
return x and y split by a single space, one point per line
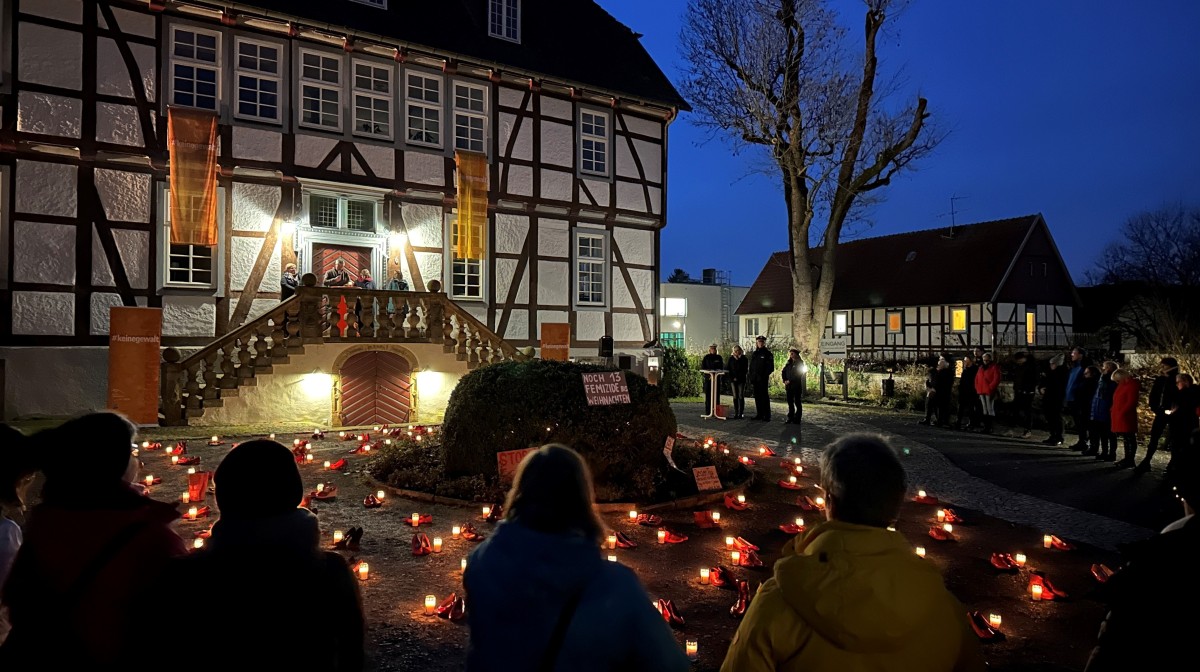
680 375
417 465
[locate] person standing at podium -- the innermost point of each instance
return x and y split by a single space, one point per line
711 362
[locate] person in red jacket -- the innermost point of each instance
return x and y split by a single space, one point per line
987 383
1124 413
79 591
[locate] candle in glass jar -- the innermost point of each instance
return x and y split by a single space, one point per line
216 439
308 457
820 502
736 557
462 565
662 536
174 459
1019 558
326 464
693 650
193 512
380 495
487 511
273 436
416 520
921 494
455 531
191 470
185 497
800 523
1035 591
364 571
994 620
1047 541
612 558
941 515
437 544
149 480
338 536
729 542
198 543
792 480
145 445
716 516
741 499
430 604
320 487
633 514
948 528
704 574
920 551
610 541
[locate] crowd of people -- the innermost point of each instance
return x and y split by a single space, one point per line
81 571
755 372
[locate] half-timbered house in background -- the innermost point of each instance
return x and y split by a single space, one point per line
993 284
342 132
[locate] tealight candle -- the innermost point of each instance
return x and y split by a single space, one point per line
273 436
704 574
693 650
1019 558
308 457
320 487
792 480
198 543
796 461
216 439
149 480
662 536
174 459
612 558
729 542
741 499
948 528
920 551
610 541
736 557
437 544
338 536
380 494
994 620
891 528
295 444
193 512
185 497
487 511
1047 541
416 520
633 514
430 604
941 515
799 522
921 494
341 435
462 565
326 464
1035 591
364 571
716 516
820 502
191 470
455 531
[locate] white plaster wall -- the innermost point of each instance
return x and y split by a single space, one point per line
599 190
651 156
136 23
133 248
643 126
49 115
70 11
46 188
243 252
553 107
44 253
556 185
622 295
655 200
80 376
511 231
424 168
523 145
589 325
381 159
101 303
510 97
505 269
558 144
189 316
643 283
631 196
520 180
43 314
627 327
425 224
112 77
553 283
625 164
50 56
258 144
636 245
125 195
518 325
430 264
553 238
311 150
119 124
254 206
550 317
260 306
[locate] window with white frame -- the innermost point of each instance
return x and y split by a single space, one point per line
372 99
195 67
752 327
590 254
672 307
466 275
840 320
320 90
504 19
593 142
186 265
424 109
258 80
327 211
470 117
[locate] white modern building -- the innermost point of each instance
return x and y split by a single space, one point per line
694 315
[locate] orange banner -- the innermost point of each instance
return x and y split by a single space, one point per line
556 341
133 360
192 141
471 227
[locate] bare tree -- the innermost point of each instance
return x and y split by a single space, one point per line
773 74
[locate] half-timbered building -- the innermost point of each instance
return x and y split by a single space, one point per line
993 284
507 158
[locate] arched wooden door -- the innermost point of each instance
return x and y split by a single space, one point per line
376 389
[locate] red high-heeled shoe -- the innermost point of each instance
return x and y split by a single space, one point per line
952 517
806 503
670 613
495 514
649 520
1049 591
179 448
732 503
1004 562
764 451
157 480
1101 572
788 485
983 629
453 608
339 465
327 492
940 534
421 545
318 435
743 600
704 520
674 537
927 499
353 537
748 558
791 528
471 534
372 502
187 460
1060 545
746 461
623 541
719 576
743 545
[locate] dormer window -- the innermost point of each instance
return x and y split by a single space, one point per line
504 19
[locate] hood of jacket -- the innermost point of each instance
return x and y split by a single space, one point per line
862 588
295 531
527 562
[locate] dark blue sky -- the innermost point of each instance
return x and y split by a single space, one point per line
1087 111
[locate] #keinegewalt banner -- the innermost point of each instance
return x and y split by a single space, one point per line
135 335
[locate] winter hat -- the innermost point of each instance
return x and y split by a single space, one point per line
258 479
91 449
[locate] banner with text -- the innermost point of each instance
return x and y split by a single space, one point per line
606 388
706 478
507 462
556 341
133 362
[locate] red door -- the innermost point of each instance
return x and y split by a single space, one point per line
357 260
376 389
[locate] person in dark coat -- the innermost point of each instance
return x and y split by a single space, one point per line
1025 384
261 569
337 276
968 398
1054 392
737 366
943 389
1158 575
793 384
1078 402
288 282
1162 398
94 549
1104 444
711 362
1183 413
762 363
1088 382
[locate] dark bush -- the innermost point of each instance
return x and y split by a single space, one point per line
681 375
417 465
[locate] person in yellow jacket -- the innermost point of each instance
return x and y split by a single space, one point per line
850 595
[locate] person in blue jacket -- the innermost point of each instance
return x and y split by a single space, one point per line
540 596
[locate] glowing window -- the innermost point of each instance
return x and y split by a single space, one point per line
840 321
958 319
672 307
1030 327
894 321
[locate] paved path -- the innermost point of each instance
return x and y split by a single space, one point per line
1019 481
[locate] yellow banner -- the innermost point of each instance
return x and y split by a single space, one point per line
471 227
192 141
